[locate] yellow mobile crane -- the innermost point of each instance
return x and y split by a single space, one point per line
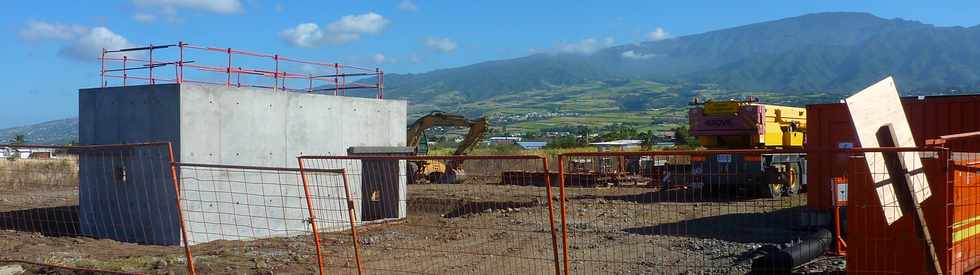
435 171
746 124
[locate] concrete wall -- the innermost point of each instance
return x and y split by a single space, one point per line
239 126
139 208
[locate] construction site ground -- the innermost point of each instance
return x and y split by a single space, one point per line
450 229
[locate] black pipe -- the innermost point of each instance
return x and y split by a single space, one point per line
783 261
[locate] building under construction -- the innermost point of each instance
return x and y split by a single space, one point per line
214 160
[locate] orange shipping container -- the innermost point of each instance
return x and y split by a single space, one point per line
952 213
829 126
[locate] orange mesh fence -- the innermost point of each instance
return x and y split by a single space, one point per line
740 211
89 208
964 212
257 219
442 215
682 212
130 208
895 216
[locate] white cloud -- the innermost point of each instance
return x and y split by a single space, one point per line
630 54
37 30
441 44
80 42
378 58
414 58
144 17
658 34
90 45
217 6
305 35
586 46
345 29
407 5
363 23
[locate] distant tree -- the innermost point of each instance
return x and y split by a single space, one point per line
683 137
647 138
19 139
584 134
505 149
565 142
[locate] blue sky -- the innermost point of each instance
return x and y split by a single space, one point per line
49 47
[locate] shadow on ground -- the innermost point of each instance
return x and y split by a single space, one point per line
453 208
763 227
726 194
50 221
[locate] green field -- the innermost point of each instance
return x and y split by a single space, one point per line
644 105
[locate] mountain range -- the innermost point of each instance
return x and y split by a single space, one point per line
834 52
62 131
811 58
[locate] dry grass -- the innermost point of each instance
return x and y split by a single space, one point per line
36 173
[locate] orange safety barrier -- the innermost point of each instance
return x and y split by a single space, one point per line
166 63
445 214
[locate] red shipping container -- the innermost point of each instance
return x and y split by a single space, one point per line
829 126
952 213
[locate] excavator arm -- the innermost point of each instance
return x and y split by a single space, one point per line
478 128
452 170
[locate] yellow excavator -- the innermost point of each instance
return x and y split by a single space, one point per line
434 171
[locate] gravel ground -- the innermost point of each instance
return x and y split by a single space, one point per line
465 228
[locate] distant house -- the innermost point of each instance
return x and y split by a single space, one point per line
14 153
532 145
665 144
40 155
25 153
664 136
22 153
504 140
620 145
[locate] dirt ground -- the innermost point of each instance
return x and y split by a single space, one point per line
451 229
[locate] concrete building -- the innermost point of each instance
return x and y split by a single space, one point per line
504 140
232 126
532 145
618 145
16 153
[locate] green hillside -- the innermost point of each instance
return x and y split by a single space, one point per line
799 59
640 104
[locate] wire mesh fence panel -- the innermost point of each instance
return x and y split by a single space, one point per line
964 252
679 212
895 219
334 213
106 207
248 219
443 215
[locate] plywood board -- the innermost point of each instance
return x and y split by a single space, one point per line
872 108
